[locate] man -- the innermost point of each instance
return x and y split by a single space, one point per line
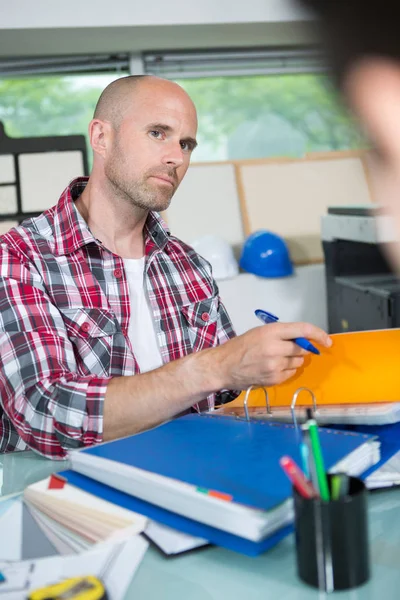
363 44
109 325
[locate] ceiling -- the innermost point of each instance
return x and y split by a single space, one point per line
135 39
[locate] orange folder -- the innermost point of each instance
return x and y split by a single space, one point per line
360 367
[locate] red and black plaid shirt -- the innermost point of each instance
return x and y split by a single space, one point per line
64 316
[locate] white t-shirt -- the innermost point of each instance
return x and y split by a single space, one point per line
141 331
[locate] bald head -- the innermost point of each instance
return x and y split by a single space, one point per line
119 95
142 134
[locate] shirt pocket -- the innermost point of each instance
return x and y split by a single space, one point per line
201 319
91 332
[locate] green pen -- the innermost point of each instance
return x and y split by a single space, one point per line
335 487
339 486
318 459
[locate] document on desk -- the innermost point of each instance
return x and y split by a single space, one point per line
60 512
76 518
355 381
115 563
36 550
235 485
387 476
378 413
170 541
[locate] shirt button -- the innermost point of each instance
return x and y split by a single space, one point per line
205 316
118 273
85 327
124 331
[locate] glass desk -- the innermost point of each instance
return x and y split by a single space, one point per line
216 574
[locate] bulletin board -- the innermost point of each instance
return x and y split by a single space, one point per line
289 197
207 202
35 171
286 196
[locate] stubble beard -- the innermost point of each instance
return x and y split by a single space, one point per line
140 193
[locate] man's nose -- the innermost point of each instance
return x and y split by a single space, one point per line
173 155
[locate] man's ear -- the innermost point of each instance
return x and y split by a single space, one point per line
99 136
372 87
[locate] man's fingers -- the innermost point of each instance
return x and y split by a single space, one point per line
288 349
287 375
294 363
289 331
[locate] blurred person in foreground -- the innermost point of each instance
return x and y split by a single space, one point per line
363 46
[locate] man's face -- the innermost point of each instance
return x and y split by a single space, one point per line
149 154
373 90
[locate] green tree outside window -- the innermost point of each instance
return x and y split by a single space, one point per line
239 117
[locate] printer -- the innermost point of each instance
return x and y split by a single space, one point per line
362 290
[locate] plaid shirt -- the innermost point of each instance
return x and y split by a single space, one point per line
64 315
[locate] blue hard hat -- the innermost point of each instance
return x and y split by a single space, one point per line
266 254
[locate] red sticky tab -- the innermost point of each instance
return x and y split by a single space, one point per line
56 482
220 495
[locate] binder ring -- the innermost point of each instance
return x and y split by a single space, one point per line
294 399
246 398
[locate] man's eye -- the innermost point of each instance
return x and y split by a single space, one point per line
156 133
186 146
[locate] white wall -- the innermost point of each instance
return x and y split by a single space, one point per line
301 297
102 13
51 27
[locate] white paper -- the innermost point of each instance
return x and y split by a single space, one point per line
64 540
387 475
113 563
177 496
70 493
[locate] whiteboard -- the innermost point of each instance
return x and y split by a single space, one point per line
207 202
45 175
8 199
7 171
289 198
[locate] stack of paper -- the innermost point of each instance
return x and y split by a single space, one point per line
56 531
36 550
215 477
115 563
387 476
74 520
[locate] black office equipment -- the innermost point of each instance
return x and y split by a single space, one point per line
362 291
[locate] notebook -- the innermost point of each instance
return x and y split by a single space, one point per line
218 471
353 382
386 472
171 519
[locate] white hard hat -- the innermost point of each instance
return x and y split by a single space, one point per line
219 253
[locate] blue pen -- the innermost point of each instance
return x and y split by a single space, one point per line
267 317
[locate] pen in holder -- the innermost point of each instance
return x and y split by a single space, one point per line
332 548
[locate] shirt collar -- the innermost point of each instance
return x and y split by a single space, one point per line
71 231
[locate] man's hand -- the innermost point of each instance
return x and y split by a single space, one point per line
263 356
266 355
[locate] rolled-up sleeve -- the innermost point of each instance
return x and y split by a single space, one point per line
225 333
51 406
